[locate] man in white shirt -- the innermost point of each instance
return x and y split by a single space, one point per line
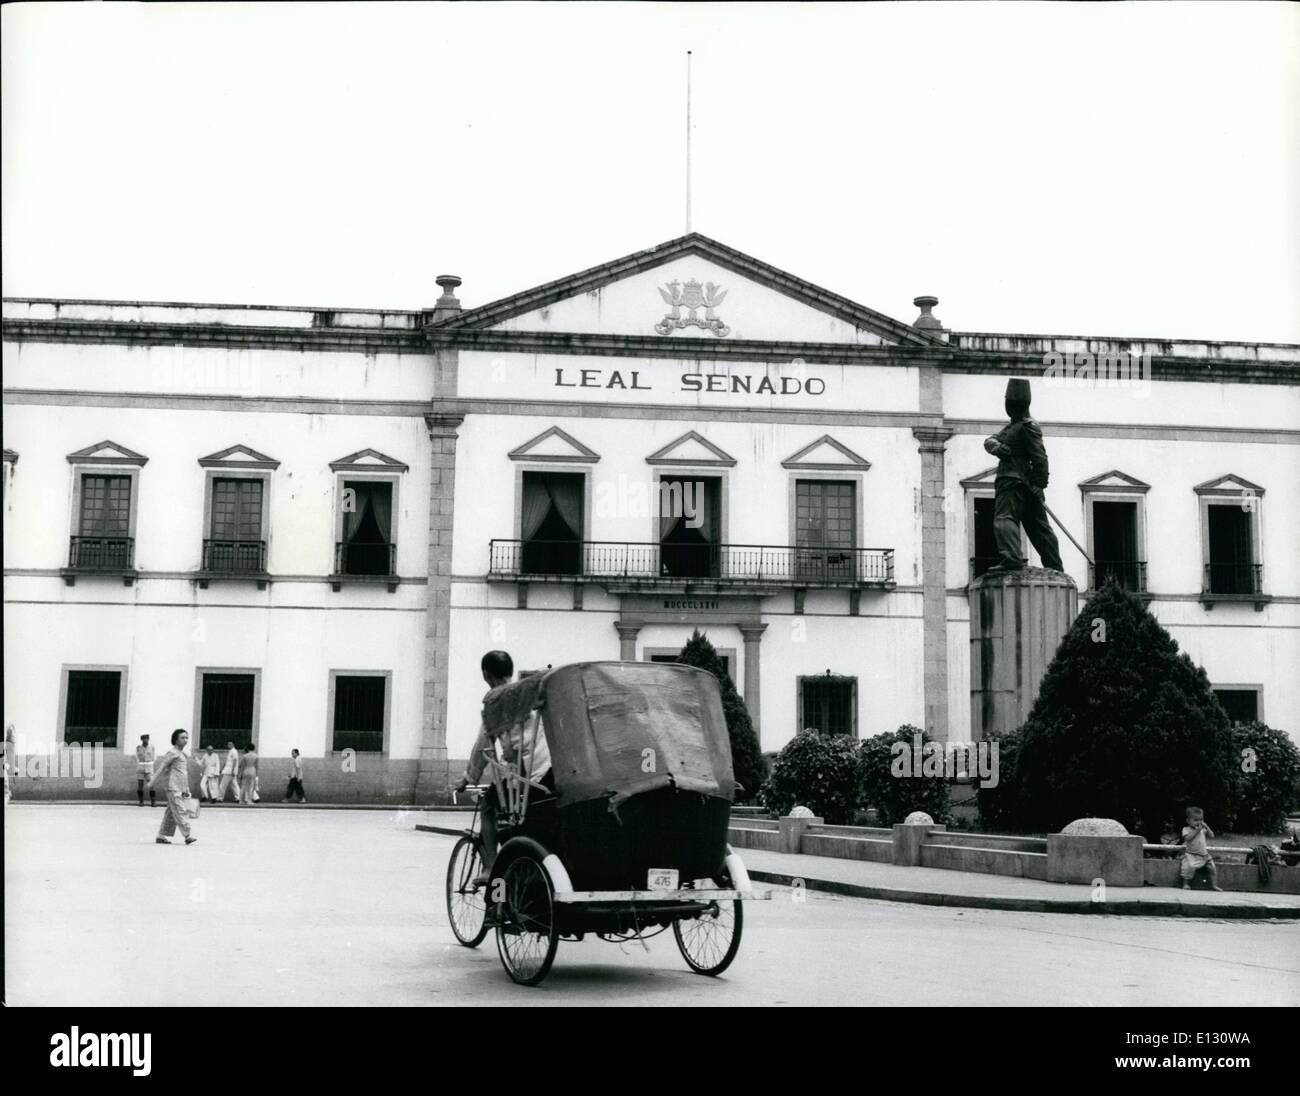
229 773
295 780
144 759
211 780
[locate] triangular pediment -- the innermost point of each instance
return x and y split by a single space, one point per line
238 456
367 460
1114 480
691 449
690 289
107 452
555 445
1230 484
981 479
828 454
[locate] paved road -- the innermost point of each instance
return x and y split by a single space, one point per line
334 907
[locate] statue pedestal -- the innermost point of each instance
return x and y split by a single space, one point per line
1017 620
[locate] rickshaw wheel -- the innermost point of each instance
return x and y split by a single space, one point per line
709 942
466 904
526 934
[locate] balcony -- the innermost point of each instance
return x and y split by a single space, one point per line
233 559
1233 581
630 565
364 564
1129 574
98 556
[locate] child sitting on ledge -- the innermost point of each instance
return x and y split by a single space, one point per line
1197 854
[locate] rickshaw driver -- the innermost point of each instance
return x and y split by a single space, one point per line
498 668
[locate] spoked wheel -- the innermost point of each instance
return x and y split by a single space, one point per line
526 934
709 941
466 903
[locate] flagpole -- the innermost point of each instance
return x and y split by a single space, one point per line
688 141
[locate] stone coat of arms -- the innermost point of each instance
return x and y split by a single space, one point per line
692 296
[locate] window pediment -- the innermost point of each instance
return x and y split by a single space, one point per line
826 454
981 479
1231 484
108 453
555 445
1115 480
368 460
239 456
691 449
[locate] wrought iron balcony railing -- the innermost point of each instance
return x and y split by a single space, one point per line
1234 578
670 564
365 559
109 554
234 557
1130 574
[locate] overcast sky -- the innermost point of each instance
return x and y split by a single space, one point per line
1117 169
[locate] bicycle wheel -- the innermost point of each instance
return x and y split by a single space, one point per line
526 934
709 941
466 903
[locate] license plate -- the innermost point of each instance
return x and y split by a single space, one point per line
661 879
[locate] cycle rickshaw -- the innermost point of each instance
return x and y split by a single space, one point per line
634 840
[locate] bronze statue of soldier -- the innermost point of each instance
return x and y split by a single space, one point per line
1021 477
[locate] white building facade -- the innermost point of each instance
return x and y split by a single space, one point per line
304 527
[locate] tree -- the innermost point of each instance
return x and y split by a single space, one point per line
746 757
1125 726
1269 766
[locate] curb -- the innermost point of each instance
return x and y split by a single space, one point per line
1031 905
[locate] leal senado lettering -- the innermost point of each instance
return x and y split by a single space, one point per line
732 383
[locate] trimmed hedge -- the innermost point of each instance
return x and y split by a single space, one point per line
1125 726
887 781
817 771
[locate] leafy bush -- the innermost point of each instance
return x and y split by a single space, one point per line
998 806
817 771
1124 726
746 758
896 790
1267 777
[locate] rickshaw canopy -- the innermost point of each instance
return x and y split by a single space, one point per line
617 729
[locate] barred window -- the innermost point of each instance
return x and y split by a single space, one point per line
226 710
93 706
827 703
1242 705
359 703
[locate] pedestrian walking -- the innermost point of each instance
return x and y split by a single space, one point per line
210 782
144 760
295 780
229 773
248 775
174 774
